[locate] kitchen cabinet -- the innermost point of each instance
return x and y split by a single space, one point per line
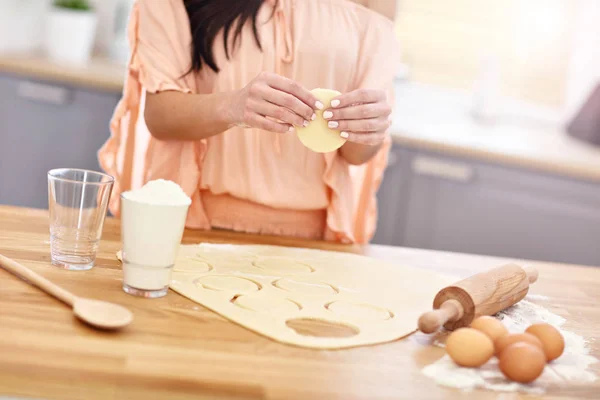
433 201
392 206
43 126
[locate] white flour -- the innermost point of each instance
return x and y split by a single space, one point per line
159 192
571 367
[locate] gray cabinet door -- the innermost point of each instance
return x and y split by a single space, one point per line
45 126
462 206
392 199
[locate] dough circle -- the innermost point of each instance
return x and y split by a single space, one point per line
282 265
223 283
304 287
360 311
267 304
193 265
317 136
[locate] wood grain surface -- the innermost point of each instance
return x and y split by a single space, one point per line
176 349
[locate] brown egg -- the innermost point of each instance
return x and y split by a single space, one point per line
522 362
553 342
492 327
509 339
469 348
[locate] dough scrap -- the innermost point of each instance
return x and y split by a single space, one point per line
382 301
317 136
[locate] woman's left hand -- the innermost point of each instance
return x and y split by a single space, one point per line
362 116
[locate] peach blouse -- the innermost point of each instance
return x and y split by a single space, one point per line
272 182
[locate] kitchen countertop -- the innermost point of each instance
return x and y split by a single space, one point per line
101 73
176 349
439 120
425 118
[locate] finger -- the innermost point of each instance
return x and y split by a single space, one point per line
361 125
366 138
261 122
363 111
288 101
360 96
295 89
279 113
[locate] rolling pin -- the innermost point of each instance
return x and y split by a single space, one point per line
485 293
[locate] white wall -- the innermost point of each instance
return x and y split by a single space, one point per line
584 65
106 11
22 23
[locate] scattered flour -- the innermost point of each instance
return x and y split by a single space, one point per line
572 366
538 297
159 192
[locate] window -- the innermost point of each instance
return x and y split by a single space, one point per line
444 42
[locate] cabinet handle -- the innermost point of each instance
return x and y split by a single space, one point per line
40 92
443 169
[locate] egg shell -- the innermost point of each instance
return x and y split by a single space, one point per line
553 342
491 326
469 347
509 339
522 362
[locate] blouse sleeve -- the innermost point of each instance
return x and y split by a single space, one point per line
159 38
355 219
379 57
161 51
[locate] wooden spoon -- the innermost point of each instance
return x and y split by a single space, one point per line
99 314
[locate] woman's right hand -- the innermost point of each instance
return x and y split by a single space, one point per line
274 103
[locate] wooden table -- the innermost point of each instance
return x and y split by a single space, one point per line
176 349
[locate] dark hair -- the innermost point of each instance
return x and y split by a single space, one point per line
209 17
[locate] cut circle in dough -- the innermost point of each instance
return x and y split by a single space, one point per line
193 265
226 283
267 304
305 287
220 261
282 265
360 311
317 136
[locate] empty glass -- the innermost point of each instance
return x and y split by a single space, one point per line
78 203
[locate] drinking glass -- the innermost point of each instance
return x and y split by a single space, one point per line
78 203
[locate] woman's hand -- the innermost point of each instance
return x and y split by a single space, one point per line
362 116
274 103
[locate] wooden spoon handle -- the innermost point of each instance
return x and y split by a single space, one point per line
36 279
432 321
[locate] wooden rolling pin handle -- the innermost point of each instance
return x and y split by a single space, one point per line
38 280
432 321
532 274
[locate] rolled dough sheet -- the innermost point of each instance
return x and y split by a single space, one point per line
263 287
317 136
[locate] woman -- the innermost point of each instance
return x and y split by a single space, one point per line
214 91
